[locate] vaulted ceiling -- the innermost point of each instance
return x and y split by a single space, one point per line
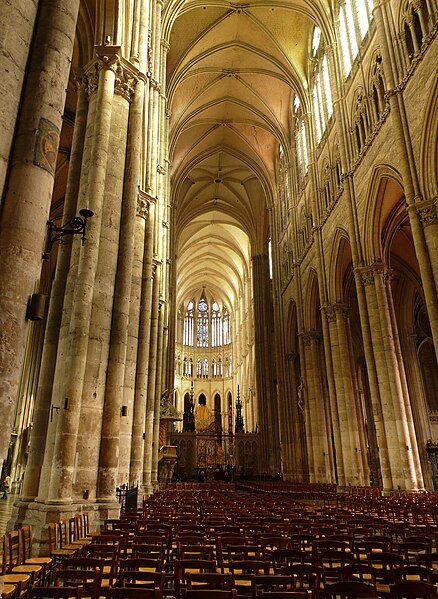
232 71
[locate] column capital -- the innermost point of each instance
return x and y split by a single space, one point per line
309 336
333 310
147 196
367 274
428 213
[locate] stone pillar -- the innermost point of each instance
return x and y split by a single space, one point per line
64 456
158 391
109 444
152 373
17 20
26 203
105 313
144 335
335 421
127 422
428 213
267 401
395 429
50 347
344 456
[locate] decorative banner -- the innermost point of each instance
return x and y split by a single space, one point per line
46 146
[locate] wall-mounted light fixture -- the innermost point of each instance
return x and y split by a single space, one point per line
75 226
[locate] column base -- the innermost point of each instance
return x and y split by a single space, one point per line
40 515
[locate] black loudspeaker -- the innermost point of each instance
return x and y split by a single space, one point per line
124 411
36 308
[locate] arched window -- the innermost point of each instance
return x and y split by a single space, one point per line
189 325
322 102
326 192
202 329
185 367
219 368
360 121
354 21
337 170
300 139
190 374
226 327
415 23
214 368
216 325
205 368
199 368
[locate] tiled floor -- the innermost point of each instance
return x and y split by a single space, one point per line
5 512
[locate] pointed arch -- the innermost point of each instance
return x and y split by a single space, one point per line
429 147
341 242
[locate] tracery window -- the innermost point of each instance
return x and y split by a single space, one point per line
205 368
354 20
189 325
216 325
415 20
326 192
322 102
202 324
300 139
199 368
226 329
360 121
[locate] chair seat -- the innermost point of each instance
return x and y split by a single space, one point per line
63 552
35 569
8 591
15 578
39 560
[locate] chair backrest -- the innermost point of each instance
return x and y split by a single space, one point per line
209 594
26 541
306 576
413 590
272 582
62 533
136 578
209 580
285 594
351 590
359 572
91 580
141 563
133 593
14 549
56 592
52 537
411 572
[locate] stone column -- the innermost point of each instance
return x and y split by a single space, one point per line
17 20
26 203
144 335
127 422
428 213
109 444
54 315
315 399
354 416
267 418
150 405
75 360
158 391
394 429
329 316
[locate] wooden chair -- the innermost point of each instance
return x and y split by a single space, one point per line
272 582
359 572
413 590
209 580
12 558
133 593
182 567
193 594
136 578
28 559
284 594
307 577
414 573
90 580
56 593
280 558
54 548
350 590
141 564
244 570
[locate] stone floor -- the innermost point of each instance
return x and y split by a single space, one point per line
5 512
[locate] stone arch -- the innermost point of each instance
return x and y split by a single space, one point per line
384 191
429 147
337 265
312 302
